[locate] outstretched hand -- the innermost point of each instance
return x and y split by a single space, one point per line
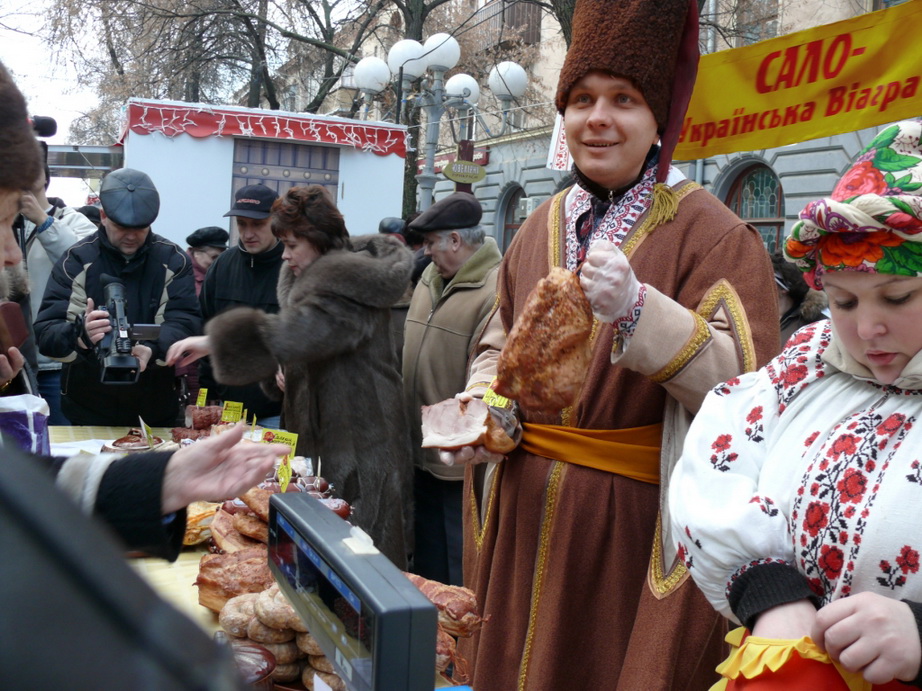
188 350
217 468
609 282
11 364
871 634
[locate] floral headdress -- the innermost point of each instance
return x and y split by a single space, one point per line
873 220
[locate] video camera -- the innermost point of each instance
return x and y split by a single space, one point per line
117 364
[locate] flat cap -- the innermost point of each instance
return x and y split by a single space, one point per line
209 236
458 210
129 198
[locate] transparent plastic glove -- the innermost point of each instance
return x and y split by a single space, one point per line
609 282
472 455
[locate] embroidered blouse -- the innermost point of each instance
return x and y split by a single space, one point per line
803 479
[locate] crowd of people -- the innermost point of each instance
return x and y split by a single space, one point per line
742 448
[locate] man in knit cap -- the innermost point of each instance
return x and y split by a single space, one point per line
566 542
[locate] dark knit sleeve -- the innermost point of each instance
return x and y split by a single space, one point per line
764 586
129 500
916 608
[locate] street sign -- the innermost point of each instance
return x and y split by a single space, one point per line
465 172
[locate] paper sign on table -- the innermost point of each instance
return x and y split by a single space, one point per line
148 433
232 411
277 436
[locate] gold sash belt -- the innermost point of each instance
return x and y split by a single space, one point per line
632 452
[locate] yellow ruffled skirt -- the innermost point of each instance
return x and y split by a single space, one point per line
752 657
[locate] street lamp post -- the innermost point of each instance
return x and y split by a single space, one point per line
407 62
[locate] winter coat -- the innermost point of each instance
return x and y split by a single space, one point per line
342 387
41 251
443 328
159 289
812 308
240 279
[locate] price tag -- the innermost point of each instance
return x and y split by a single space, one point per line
232 411
148 432
282 437
202 397
494 399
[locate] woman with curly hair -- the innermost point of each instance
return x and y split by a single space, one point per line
798 497
332 343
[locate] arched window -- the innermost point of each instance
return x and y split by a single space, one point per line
512 216
756 197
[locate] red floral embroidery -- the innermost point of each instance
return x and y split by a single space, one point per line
831 561
794 374
846 444
812 438
722 443
816 517
891 424
852 486
908 560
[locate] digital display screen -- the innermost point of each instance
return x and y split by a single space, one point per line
337 610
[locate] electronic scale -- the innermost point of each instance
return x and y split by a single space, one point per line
373 624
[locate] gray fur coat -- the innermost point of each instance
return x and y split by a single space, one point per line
342 397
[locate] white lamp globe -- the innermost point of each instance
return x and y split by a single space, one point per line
442 52
407 54
508 80
371 75
463 86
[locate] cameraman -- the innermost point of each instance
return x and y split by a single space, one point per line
159 288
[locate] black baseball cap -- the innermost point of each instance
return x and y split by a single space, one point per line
129 198
253 201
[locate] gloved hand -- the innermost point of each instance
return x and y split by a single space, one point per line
609 282
469 455
473 455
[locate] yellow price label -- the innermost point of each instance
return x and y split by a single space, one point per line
232 411
202 398
494 399
148 433
277 436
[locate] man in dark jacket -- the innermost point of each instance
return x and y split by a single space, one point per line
158 289
246 275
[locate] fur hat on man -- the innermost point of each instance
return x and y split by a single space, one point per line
872 222
654 43
20 159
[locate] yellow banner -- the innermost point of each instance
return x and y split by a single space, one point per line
831 79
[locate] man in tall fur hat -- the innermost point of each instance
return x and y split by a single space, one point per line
581 585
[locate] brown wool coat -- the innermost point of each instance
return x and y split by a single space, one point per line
342 397
558 554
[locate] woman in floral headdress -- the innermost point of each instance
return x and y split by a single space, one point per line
799 493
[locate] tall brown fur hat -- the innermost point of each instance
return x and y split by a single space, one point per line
20 157
654 43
